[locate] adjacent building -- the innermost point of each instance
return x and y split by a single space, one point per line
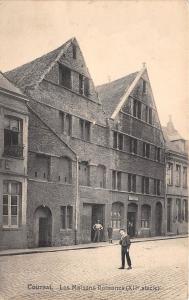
13 165
176 180
93 153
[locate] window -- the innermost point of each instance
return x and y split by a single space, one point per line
156 187
150 115
66 123
170 173
136 109
84 130
157 153
84 174
74 51
145 216
66 217
118 140
11 203
144 87
185 210
116 180
101 176
65 170
145 185
65 77
131 183
146 150
13 137
185 177
146 114
39 167
178 209
117 215
178 175
84 85
133 145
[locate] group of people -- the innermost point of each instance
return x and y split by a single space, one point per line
124 242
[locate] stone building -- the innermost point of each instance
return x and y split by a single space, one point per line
13 165
176 180
94 154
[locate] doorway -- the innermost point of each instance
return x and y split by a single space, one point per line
43 227
158 218
132 219
97 215
169 211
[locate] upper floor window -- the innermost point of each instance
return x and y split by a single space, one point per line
184 176
118 140
101 176
133 145
84 129
148 118
67 217
146 150
131 183
66 123
170 173
145 185
136 109
144 87
84 85
74 51
157 153
178 175
65 170
84 173
65 77
11 203
116 180
157 187
13 137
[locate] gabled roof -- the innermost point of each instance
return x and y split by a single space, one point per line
110 93
30 74
5 84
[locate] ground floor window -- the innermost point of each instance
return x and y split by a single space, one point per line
178 209
66 217
185 210
11 203
116 215
145 216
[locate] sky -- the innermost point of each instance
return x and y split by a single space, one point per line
116 37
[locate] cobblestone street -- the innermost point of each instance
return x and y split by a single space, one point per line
159 272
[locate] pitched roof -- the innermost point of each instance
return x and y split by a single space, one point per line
33 72
7 85
110 93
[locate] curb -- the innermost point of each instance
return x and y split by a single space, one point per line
37 251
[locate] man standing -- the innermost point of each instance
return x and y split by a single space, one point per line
110 232
97 228
125 245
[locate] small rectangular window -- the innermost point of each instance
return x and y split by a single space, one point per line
133 145
65 77
144 86
74 51
85 130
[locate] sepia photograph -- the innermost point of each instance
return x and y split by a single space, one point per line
94 139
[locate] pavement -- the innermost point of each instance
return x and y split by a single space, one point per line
159 272
10 252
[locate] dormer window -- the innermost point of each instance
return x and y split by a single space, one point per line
65 77
74 51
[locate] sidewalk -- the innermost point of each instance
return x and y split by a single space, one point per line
10 252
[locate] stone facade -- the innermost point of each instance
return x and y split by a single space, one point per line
176 181
94 153
13 165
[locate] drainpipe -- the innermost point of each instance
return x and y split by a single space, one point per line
77 200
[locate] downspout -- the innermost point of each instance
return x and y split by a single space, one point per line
77 200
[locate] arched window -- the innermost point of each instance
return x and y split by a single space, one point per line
65 170
117 215
84 173
145 216
101 176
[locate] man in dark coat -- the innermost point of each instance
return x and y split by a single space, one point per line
110 232
125 245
